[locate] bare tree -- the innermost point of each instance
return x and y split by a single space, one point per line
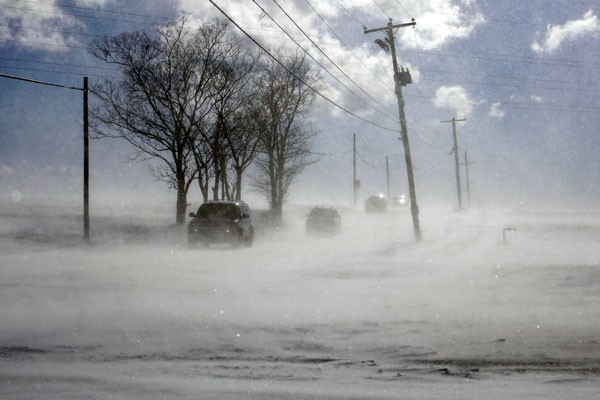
163 97
284 100
231 135
243 140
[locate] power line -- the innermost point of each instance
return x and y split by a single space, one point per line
330 60
404 8
96 10
330 154
307 53
562 89
167 18
494 57
556 60
51 71
381 8
520 78
511 59
384 68
296 76
551 61
421 61
49 30
349 13
58 63
44 44
520 106
145 22
366 162
18 78
346 46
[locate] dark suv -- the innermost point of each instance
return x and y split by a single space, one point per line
221 222
323 220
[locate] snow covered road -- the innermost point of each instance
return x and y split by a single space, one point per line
366 314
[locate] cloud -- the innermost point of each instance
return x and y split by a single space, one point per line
496 111
440 21
454 97
37 25
556 35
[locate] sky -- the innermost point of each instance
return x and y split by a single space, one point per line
523 74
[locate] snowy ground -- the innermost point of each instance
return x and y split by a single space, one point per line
369 314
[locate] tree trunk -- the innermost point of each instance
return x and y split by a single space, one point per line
181 199
225 193
238 184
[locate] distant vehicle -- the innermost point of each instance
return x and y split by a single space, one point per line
399 201
221 222
376 204
323 220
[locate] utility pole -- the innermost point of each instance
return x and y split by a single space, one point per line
86 168
387 176
401 78
86 163
455 151
466 164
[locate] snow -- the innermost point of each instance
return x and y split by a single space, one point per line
366 314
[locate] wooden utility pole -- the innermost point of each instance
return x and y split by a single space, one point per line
401 78
466 164
86 163
86 168
387 176
456 163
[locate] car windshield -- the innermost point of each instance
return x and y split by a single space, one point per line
219 210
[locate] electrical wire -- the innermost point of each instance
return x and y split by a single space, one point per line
321 65
330 154
404 8
366 162
18 78
347 47
52 71
70 46
516 85
518 78
395 118
421 60
49 30
167 18
493 57
381 8
511 59
96 10
58 63
144 22
297 77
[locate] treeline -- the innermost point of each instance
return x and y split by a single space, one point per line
204 107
